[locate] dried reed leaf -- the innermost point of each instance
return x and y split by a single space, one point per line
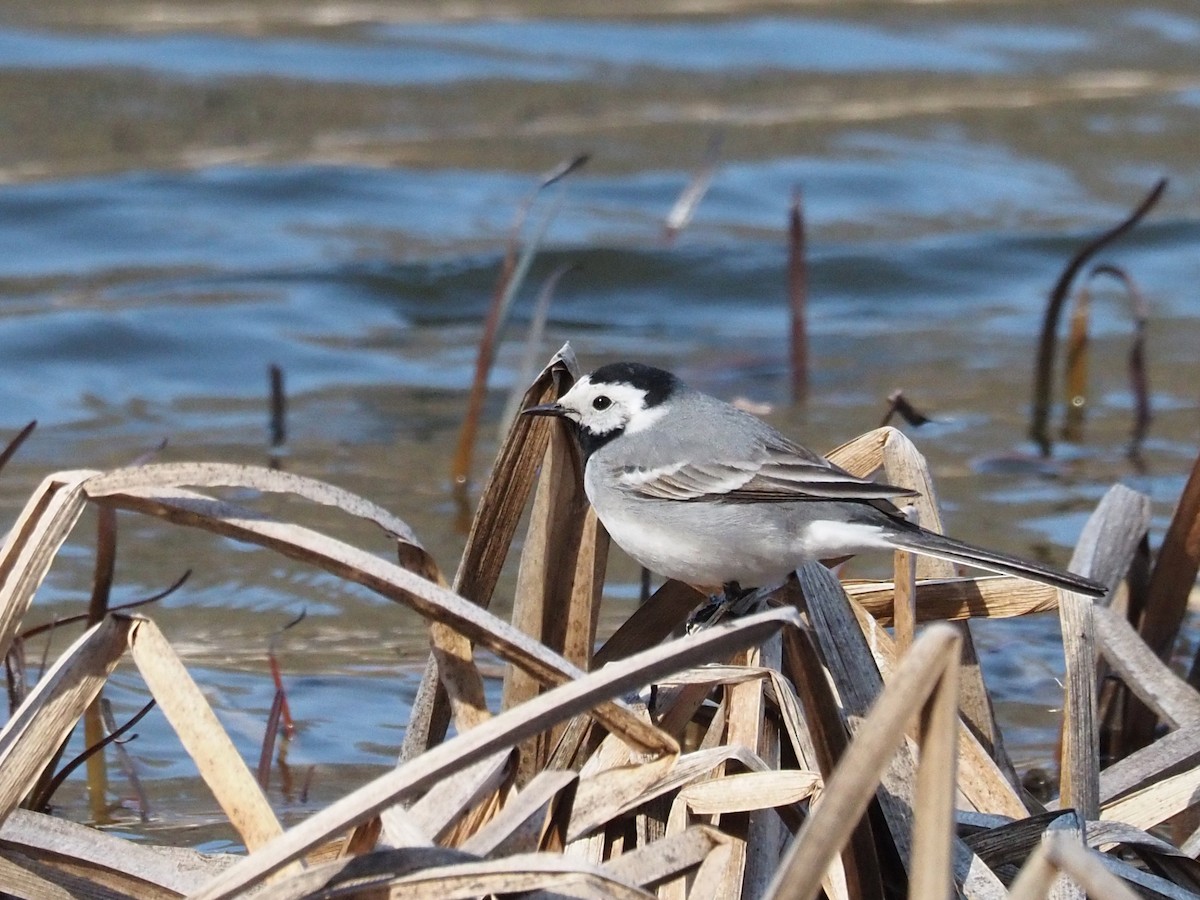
48 714
518 827
1171 583
1108 542
1087 868
905 465
753 859
904 598
856 874
862 455
650 623
750 790
144 479
397 829
856 677
133 868
1173 751
1011 842
617 791
1110 538
492 528
512 874
32 542
220 765
459 675
664 859
15 443
500 732
984 597
984 784
440 809
1154 804
343 875
1146 675
561 571
1048 340
848 792
933 814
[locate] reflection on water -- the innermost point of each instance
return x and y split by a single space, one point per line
189 199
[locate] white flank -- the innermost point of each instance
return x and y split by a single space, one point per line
826 537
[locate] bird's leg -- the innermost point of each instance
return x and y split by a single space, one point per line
733 591
734 600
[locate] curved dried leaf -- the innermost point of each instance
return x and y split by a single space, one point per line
142 479
32 542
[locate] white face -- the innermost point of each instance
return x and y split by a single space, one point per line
604 408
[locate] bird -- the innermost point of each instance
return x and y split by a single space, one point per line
695 489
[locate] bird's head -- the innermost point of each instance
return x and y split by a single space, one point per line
617 399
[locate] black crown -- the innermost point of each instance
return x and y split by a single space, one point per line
657 383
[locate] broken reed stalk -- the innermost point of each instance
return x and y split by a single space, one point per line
1077 366
512 271
42 796
532 354
124 760
1139 385
1048 339
689 198
15 443
263 772
93 723
898 405
797 291
278 406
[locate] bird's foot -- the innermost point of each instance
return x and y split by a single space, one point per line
733 601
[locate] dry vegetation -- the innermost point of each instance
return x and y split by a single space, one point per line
797 750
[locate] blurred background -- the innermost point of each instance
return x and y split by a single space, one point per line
193 191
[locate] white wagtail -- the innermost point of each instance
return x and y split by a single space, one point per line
698 490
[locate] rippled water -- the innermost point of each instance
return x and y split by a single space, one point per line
190 195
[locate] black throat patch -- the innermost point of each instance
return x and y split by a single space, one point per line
590 442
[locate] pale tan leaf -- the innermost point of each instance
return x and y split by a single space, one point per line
43 721
750 790
144 479
438 811
135 868
518 826
200 732
601 799
1157 802
983 597
32 542
667 858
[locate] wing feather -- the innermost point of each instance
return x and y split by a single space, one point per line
783 471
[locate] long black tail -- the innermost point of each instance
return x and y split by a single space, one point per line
929 543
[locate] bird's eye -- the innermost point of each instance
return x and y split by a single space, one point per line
601 402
